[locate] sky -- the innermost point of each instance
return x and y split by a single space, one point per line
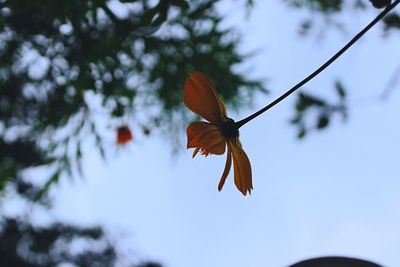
333 193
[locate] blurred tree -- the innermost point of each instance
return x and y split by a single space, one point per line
68 66
23 245
312 112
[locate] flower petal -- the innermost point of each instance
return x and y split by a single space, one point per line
206 136
227 169
201 97
242 168
196 150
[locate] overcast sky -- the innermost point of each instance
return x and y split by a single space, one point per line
334 193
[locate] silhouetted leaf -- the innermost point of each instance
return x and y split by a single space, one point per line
302 133
380 3
323 121
392 21
340 90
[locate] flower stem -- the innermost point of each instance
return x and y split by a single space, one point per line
321 68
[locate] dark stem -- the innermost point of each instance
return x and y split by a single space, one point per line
321 68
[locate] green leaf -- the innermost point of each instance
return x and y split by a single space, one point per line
309 100
340 90
53 179
323 122
380 3
296 120
302 133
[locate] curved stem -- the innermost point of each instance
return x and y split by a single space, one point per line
321 68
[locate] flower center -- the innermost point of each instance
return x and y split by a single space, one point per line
230 130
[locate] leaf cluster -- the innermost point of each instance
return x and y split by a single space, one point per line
329 8
315 113
25 245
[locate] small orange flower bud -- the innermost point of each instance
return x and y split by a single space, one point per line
124 135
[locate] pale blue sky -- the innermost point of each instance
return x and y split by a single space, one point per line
334 193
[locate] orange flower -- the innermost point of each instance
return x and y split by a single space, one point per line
219 132
124 135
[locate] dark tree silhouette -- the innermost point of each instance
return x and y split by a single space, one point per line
23 245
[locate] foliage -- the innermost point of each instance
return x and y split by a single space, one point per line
24 245
332 7
323 110
312 112
70 70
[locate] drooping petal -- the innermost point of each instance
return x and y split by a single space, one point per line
201 97
227 169
206 136
242 168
